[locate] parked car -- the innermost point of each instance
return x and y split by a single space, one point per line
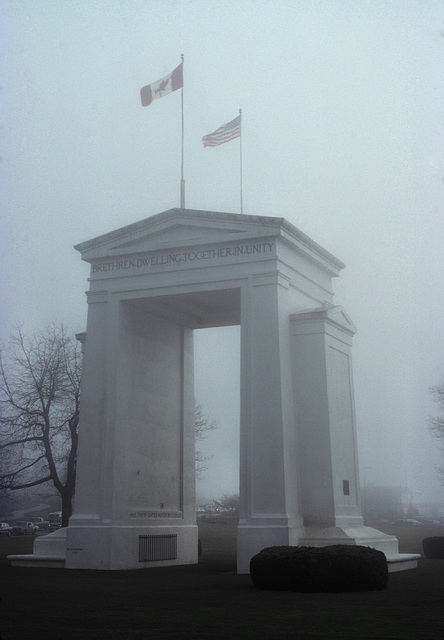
5 529
40 523
55 520
408 521
24 528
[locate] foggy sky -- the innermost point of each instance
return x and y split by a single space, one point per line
343 114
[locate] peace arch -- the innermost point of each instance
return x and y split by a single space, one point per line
151 284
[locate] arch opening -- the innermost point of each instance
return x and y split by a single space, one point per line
217 391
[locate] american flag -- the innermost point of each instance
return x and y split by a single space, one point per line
225 133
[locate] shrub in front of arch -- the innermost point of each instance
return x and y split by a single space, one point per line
309 569
434 547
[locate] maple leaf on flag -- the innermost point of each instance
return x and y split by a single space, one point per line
162 87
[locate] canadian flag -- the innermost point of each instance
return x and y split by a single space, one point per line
162 87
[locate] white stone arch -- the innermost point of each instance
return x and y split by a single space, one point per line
151 284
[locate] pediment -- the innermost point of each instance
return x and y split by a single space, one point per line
178 235
182 228
334 314
339 316
178 228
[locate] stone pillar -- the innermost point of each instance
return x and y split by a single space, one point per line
93 409
327 449
324 408
268 481
135 498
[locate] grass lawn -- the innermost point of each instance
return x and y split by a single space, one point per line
210 601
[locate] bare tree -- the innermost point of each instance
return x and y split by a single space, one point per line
436 423
39 412
203 423
229 504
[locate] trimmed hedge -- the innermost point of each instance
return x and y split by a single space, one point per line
434 547
308 569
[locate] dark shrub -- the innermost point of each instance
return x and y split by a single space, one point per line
433 547
335 568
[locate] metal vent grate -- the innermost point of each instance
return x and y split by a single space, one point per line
152 548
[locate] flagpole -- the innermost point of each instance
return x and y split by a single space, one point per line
240 158
182 181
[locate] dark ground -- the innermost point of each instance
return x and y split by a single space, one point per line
210 601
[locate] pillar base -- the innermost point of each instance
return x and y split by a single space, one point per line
365 536
110 547
131 547
252 539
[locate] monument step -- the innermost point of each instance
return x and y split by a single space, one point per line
32 560
399 562
402 561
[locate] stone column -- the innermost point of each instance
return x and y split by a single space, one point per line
86 537
136 500
268 482
325 417
87 502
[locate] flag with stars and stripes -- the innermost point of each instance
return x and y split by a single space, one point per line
225 133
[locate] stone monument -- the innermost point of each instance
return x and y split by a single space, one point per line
151 284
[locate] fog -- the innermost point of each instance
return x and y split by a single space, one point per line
343 114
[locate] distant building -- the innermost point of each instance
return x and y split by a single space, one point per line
382 504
